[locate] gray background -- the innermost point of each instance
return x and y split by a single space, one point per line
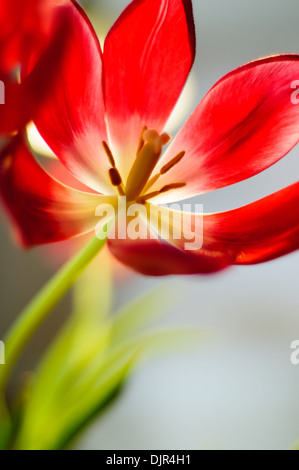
237 390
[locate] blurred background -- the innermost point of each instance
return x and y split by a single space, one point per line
236 389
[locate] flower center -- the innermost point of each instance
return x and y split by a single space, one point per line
139 180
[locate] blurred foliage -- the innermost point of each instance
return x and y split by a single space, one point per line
89 362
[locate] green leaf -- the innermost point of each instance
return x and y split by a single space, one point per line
6 425
141 312
91 359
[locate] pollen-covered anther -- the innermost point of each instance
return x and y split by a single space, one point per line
115 177
114 174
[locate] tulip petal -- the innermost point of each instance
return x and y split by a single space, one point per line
246 123
23 100
255 233
158 258
139 247
42 209
23 25
148 55
72 118
258 232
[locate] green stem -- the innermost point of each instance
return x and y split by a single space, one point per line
44 302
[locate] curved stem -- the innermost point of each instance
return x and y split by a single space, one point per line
44 302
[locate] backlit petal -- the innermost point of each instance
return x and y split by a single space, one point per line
42 209
157 258
72 119
148 55
246 123
258 232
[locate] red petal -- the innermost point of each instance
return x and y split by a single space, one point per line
54 167
246 123
42 209
258 232
156 258
72 119
23 100
255 233
23 24
147 57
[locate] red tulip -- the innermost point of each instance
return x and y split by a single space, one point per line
38 26
108 107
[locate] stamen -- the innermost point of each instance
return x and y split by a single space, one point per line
146 197
165 189
141 140
172 163
116 180
114 175
169 187
151 183
165 169
109 154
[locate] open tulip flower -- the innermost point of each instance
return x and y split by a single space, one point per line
104 118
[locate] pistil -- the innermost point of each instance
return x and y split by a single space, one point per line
139 180
146 160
